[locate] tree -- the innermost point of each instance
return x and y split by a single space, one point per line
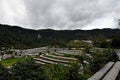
2 54
102 42
57 72
73 72
27 70
3 73
60 72
116 41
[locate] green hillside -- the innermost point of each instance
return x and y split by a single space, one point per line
27 38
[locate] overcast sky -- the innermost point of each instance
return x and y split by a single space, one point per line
60 14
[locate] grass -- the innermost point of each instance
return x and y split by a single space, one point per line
10 62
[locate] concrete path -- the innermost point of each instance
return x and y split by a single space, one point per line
113 73
98 75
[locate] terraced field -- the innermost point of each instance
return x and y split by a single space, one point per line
55 58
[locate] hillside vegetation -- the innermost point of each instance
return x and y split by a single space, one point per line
26 38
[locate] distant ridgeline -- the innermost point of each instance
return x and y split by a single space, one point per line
27 38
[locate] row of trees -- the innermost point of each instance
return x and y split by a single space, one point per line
108 43
102 41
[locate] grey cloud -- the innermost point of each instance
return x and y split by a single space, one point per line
62 14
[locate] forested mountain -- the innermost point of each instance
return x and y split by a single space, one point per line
27 38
